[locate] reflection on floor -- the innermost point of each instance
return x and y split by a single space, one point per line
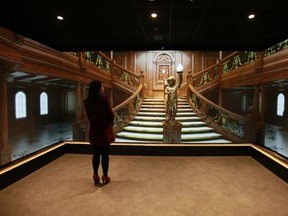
45 135
276 139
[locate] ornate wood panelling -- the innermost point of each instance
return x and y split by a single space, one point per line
162 68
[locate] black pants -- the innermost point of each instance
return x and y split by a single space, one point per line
100 152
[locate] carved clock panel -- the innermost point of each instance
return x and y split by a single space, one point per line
162 70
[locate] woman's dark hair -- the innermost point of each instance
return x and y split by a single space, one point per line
94 91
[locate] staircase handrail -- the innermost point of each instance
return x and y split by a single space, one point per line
128 109
231 125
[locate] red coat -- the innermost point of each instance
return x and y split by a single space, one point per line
101 119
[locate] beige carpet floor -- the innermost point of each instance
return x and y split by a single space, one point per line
144 185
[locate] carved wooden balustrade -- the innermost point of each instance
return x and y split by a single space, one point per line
125 76
276 48
232 126
98 59
126 111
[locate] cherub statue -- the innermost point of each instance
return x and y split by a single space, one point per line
171 99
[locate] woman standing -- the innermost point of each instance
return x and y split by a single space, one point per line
101 118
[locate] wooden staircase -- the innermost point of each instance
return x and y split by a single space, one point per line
147 127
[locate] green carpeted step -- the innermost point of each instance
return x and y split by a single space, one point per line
153 103
160 124
194 124
162 118
152 109
200 136
185 114
212 141
144 129
140 136
147 126
189 130
152 114
164 114
150 106
154 106
149 118
184 109
187 118
151 129
159 137
153 99
146 123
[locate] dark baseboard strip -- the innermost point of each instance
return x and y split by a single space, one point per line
16 170
278 167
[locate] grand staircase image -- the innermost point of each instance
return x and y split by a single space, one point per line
147 127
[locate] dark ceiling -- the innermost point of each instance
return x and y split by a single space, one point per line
127 25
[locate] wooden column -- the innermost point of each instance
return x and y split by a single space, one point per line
78 102
5 149
262 111
220 100
83 96
260 139
256 101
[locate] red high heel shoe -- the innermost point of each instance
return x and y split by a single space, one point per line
106 179
96 179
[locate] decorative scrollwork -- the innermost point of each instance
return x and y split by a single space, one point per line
97 60
276 48
126 77
241 59
235 127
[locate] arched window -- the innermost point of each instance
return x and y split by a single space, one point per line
43 103
20 105
280 104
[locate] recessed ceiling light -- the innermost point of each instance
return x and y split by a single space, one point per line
251 16
60 17
153 15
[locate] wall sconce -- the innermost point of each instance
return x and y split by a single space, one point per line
179 68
